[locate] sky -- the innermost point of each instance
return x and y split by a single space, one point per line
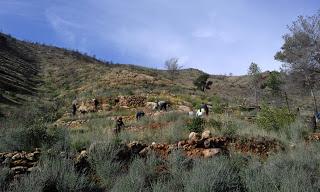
216 36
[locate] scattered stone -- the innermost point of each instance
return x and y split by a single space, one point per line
17 156
19 169
193 136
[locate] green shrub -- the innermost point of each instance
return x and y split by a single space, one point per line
217 105
54 174
141 176
215 124
229 130
5 176
35 136
294 171
101 158
273 118
196 125
216 174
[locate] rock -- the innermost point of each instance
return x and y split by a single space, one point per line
181 144
16 156
211 152
31 157
193 136
20 162
9 155
206 135
144 152
19 169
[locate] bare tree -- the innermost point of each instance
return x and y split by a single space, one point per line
301 51
173 67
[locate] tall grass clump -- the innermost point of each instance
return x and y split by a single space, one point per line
102 157
28 128
217 174
53 174
140 177
297 170
5 177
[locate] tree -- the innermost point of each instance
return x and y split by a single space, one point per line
173 67
274 82
300 52
254 73
202 82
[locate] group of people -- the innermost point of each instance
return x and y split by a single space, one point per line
159 105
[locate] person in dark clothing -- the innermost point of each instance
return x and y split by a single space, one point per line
96 103
74 107
119 125
205 107
314 123
139 115
162 105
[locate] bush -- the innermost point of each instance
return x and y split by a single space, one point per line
217 105
35 136
101 158
229 130
196 125
217 174
294 171
5 177
141 176
215 124
54 174
273 118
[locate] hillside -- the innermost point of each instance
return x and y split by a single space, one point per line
28 68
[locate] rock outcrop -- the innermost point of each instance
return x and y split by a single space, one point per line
20 162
